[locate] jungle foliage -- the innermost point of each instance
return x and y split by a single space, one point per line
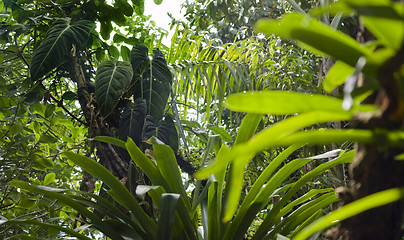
107 133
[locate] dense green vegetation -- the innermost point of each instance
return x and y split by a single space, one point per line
261 120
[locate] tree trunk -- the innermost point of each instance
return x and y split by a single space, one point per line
374 168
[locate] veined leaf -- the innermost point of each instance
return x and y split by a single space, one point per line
111 80
164 130
132 121
152 80
58 43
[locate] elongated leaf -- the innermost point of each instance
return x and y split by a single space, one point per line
258 185
69 201
271 136
152 81
316 36
111 140
121 193
352 209
282 103
168 204
145 164
384 21
167 164
111 80
55 48
275 214
132 121
47 225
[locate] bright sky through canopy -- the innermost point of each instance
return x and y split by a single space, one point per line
159 14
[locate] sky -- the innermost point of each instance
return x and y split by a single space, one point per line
159 14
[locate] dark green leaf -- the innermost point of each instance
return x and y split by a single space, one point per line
168 204
111 80
56 47
132 121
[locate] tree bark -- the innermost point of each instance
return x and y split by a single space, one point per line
374 168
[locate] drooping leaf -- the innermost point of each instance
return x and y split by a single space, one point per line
118 191
56 47
164 130
152 80
111 80
132 121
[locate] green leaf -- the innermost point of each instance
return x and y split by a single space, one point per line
145 164
271 137
352 209
168 167
50 109
46 225
153 80
69 95
383 20
111 140
68 200
158 2
132 121
56 47
120 192
47 139
125 53
113 51
225 135
282 103
316 36
49 178
167 206
111 80
124 7
337 75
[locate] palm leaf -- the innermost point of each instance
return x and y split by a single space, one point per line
57 45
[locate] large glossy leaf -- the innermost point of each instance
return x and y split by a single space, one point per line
111 80
56 47
164 130
152 80
132 121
